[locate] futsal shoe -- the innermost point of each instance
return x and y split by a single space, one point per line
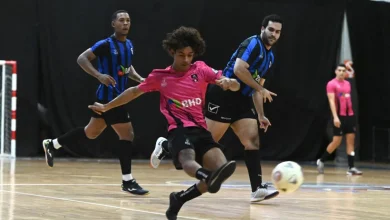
174 207
132 187
49 150
219 176
158 154
263 193
354 171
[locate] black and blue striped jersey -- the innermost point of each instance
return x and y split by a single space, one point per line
114 58
260 60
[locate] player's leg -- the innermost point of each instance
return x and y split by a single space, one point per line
94 128
350 129
119 120
246 130
212 160
336 141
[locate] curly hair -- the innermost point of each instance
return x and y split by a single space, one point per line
185 37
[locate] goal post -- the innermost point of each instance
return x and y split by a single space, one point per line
8 108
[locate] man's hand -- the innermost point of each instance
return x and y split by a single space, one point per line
98 108
106 80
267 95
264 123
336 122
224 83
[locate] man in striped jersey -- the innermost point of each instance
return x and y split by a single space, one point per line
114 55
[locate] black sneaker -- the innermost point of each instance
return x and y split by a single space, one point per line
133 188
174 207
49 150
219 176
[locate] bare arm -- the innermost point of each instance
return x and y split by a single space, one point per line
127 96
226 83
84 60
242 72
258 100
332 104
258 103
134 75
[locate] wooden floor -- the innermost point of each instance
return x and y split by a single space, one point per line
91 190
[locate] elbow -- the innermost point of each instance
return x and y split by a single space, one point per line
80 59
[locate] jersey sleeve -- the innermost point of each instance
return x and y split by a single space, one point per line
151 83
100 48
330 88
248 50
210 74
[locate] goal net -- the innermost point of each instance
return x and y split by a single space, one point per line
8 108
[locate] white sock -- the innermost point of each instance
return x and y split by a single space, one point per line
127 177
56 144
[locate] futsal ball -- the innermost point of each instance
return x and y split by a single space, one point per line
287 176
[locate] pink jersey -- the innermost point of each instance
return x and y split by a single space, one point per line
342 93
182 95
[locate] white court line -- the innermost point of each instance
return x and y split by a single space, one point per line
96 204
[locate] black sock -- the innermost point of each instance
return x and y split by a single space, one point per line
190 193
202 174
350 161
165 146
325 156
124 154
252 161
72 136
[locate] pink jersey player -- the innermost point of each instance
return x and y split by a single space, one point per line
342 92
182 94
344 121
183 87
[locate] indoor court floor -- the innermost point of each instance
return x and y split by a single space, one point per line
90 189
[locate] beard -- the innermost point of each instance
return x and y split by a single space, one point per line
268 40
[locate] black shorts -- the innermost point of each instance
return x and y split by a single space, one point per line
114 116
196 138
228 106
348 126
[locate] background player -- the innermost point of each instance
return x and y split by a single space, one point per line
344 121
249 64
114 55
182 87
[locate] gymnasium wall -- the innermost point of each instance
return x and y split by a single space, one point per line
46 37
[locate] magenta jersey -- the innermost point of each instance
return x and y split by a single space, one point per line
342 93
182 95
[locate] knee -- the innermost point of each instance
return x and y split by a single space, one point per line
251 144
92 133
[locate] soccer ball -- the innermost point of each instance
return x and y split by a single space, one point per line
287 176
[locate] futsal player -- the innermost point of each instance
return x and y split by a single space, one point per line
182 87
114 55
344 120
242 110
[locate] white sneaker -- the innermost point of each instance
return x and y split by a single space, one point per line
354 171
263 193
320 166
158 153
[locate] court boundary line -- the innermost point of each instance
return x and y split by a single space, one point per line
96 204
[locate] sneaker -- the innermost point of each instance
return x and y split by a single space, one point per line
354 171
49 150
219 176
158 154
174 207
320 166
133 188
263 193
